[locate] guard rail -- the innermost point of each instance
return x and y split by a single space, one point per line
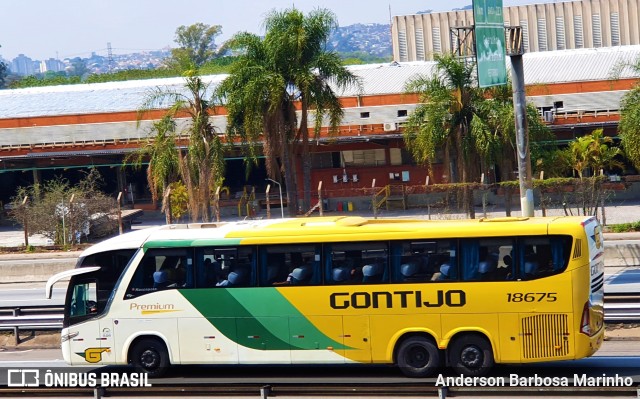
32 318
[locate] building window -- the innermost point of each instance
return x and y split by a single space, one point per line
419 44
560 37
525 34
577 28
364 115
364 157
402 113
615 29
597 30
402 46
542 34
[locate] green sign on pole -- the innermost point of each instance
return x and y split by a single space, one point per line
490 49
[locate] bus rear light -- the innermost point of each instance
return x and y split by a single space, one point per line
584 323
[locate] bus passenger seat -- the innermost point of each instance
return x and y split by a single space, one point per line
409 270
161 279
235 278
487 270
341 274
445 268
372 273
301 275
273 272
530 269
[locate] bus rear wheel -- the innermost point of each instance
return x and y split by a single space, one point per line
418 357
149 355
471 355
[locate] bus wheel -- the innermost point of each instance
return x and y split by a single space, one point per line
471 355
150 356
418 357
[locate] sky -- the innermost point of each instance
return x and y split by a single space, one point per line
43 29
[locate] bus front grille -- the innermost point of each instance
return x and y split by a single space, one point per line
545 336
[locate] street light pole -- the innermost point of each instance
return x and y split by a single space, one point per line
280 190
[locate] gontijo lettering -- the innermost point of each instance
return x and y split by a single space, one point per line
401 299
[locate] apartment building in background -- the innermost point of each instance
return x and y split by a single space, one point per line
545 27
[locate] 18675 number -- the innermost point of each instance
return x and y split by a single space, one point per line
532 296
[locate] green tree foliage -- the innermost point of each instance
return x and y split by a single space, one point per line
449 101
629 126
201 167
494 133
196 46
299 45
594 152
161 151
290 64
50 211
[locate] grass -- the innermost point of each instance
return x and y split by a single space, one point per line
625 227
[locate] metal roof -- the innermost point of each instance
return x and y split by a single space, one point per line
540 68
579 65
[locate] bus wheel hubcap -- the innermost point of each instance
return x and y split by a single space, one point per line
149 358
471 356
418 357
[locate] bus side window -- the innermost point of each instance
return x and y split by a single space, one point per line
283 265
241 266
356 263
543 256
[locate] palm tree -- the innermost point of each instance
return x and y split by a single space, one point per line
161 151
290 64
494 133
298 43
202 165
260 109
448 103
595 152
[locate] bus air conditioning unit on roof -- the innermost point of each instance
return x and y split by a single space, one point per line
390 126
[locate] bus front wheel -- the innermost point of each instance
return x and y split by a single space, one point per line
418 357
149 355
471 355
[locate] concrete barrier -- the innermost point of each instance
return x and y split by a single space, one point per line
622 253
36 267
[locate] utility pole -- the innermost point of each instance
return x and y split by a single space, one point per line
515 49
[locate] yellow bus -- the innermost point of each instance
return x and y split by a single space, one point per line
419 294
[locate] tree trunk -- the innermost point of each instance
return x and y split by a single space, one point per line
289 176
306 159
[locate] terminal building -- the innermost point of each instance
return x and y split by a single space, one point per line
63 130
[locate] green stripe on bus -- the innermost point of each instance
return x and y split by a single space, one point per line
237 313
191 243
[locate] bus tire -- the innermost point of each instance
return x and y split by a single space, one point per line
471 355
418 357
150 355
